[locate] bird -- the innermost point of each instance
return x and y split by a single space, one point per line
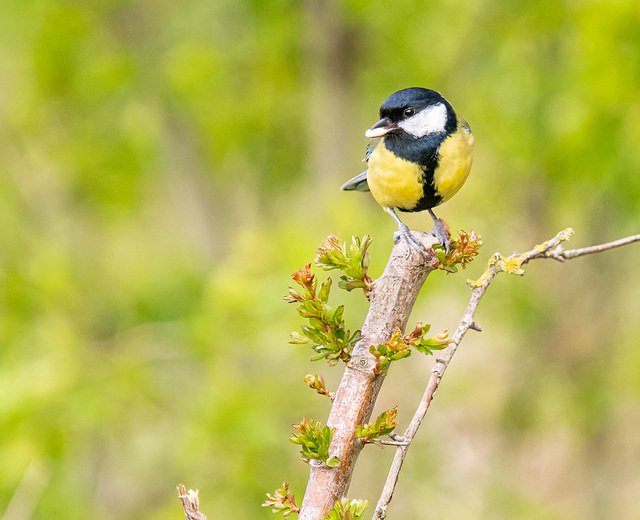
419 156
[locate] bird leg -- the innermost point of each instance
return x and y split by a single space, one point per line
439 232
405 234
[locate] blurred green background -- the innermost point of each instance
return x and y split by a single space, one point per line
165 166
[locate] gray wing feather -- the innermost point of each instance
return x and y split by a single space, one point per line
373 143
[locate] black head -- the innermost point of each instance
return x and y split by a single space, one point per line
415 111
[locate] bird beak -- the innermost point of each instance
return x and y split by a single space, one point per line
381 128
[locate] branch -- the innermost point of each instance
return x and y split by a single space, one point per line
190 503
561 255
513 264
392 298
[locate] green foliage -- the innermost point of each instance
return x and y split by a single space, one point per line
393 350
427 345
316 382
347 510
384 425
333 254
462 252
282 501
399 346
314 441
326 332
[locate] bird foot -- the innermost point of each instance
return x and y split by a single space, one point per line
441 235
404 234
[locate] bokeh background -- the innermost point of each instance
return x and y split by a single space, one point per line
165 166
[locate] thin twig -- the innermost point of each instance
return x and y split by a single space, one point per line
549 249
190 503
560 254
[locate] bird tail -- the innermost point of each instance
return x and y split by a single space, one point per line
358 183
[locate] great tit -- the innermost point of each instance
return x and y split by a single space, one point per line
419 156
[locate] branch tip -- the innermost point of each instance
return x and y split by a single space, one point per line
190 503
475 326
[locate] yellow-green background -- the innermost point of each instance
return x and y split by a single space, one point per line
165 166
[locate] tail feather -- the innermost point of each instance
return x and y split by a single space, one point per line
358 183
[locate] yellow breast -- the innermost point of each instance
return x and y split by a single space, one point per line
456 156
394 182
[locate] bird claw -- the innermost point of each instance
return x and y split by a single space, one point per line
409 241
441 236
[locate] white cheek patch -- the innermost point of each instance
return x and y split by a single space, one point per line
428 121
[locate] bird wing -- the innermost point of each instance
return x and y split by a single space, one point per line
465 125
373 143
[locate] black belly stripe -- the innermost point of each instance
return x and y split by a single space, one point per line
430 199
424 152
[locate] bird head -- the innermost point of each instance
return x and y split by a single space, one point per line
414 112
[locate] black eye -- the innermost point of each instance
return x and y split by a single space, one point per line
408 112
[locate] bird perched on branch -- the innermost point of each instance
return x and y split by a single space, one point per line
419 156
